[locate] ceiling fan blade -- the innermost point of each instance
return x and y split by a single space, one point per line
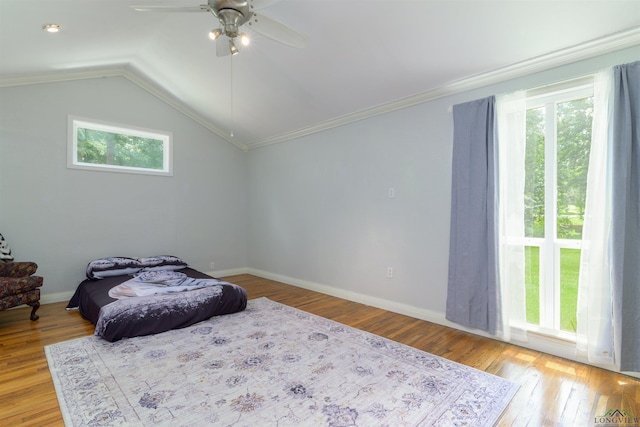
274 30
180 9
222 46
263 4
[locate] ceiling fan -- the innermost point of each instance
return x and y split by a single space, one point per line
232 15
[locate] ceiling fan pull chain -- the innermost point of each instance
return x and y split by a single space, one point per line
231 94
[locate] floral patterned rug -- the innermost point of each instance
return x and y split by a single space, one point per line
270 365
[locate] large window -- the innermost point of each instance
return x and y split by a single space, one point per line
109 147
558 139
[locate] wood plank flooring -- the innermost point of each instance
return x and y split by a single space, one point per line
553 391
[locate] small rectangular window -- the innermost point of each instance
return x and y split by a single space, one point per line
97 145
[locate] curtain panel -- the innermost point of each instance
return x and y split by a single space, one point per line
594 331
625 239
473 292
511 113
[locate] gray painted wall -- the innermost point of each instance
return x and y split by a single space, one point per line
62 218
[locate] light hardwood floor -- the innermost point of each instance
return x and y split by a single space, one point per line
553 391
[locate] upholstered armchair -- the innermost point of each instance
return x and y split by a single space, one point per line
19 286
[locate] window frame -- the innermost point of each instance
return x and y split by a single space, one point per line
550 247
75 122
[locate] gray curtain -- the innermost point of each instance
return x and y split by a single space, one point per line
625 241
473 291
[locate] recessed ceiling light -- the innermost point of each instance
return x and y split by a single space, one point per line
51 28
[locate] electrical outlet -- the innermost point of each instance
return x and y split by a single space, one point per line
389 272
212 265
391 193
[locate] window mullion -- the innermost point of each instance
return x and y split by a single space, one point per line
554 281
548 258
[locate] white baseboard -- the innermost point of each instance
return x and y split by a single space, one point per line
416 312
56 297
229 272
537 343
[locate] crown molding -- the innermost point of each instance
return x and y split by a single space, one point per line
593 48
137 78
61 76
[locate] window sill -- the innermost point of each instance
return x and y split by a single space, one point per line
562 336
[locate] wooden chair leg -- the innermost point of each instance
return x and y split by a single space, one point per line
35 305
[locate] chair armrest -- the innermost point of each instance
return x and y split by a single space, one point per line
12 286
17 269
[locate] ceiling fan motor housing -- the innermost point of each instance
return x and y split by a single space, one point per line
232 14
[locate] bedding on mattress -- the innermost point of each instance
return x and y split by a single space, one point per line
144 315
160 282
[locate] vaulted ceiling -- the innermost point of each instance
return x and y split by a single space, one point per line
364 56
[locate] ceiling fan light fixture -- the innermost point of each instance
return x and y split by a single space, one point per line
51 28
244 39
233 48
214 34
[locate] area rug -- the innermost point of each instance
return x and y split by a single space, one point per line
270 365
